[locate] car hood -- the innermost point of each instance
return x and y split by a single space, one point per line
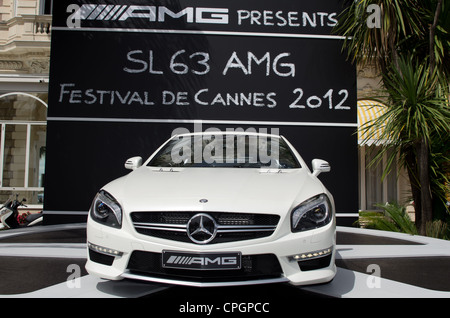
220 189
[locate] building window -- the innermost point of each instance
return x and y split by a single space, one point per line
22 148
46 7
375 190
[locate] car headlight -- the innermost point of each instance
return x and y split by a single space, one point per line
311 214
106 210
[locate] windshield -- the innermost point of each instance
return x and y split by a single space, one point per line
227 150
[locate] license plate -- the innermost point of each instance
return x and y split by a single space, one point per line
201 261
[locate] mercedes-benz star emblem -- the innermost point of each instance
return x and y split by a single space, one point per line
201 228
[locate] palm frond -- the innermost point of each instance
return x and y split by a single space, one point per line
401 20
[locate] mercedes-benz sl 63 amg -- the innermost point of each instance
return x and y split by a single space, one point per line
215 209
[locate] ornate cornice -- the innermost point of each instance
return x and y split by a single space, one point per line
11 65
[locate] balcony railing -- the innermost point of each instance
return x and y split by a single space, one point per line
42 26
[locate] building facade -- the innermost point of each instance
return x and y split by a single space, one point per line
25 29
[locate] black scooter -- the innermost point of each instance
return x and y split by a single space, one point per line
9 213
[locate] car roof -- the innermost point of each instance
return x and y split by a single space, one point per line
238 133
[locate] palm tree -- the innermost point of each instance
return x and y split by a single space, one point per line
417 117
419 26
417 93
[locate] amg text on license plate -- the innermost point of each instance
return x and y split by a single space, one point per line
201 261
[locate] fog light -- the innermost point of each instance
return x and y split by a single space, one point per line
310 255
104 250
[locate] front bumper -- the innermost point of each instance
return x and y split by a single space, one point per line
298 258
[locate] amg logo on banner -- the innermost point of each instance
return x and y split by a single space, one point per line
105 12
199 15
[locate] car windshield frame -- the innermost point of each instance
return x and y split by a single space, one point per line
255 151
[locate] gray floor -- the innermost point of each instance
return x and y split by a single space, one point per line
41 262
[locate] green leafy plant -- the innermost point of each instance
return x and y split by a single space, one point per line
394 219
438 229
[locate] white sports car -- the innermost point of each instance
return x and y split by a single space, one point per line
215 209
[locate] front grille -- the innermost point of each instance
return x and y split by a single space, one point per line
230 226
262 266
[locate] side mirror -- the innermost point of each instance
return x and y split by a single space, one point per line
133 163
320 166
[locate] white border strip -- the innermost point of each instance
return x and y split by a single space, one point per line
50 250
347 215
45 212
205 32
198 121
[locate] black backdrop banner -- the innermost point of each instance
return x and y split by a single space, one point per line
125 74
